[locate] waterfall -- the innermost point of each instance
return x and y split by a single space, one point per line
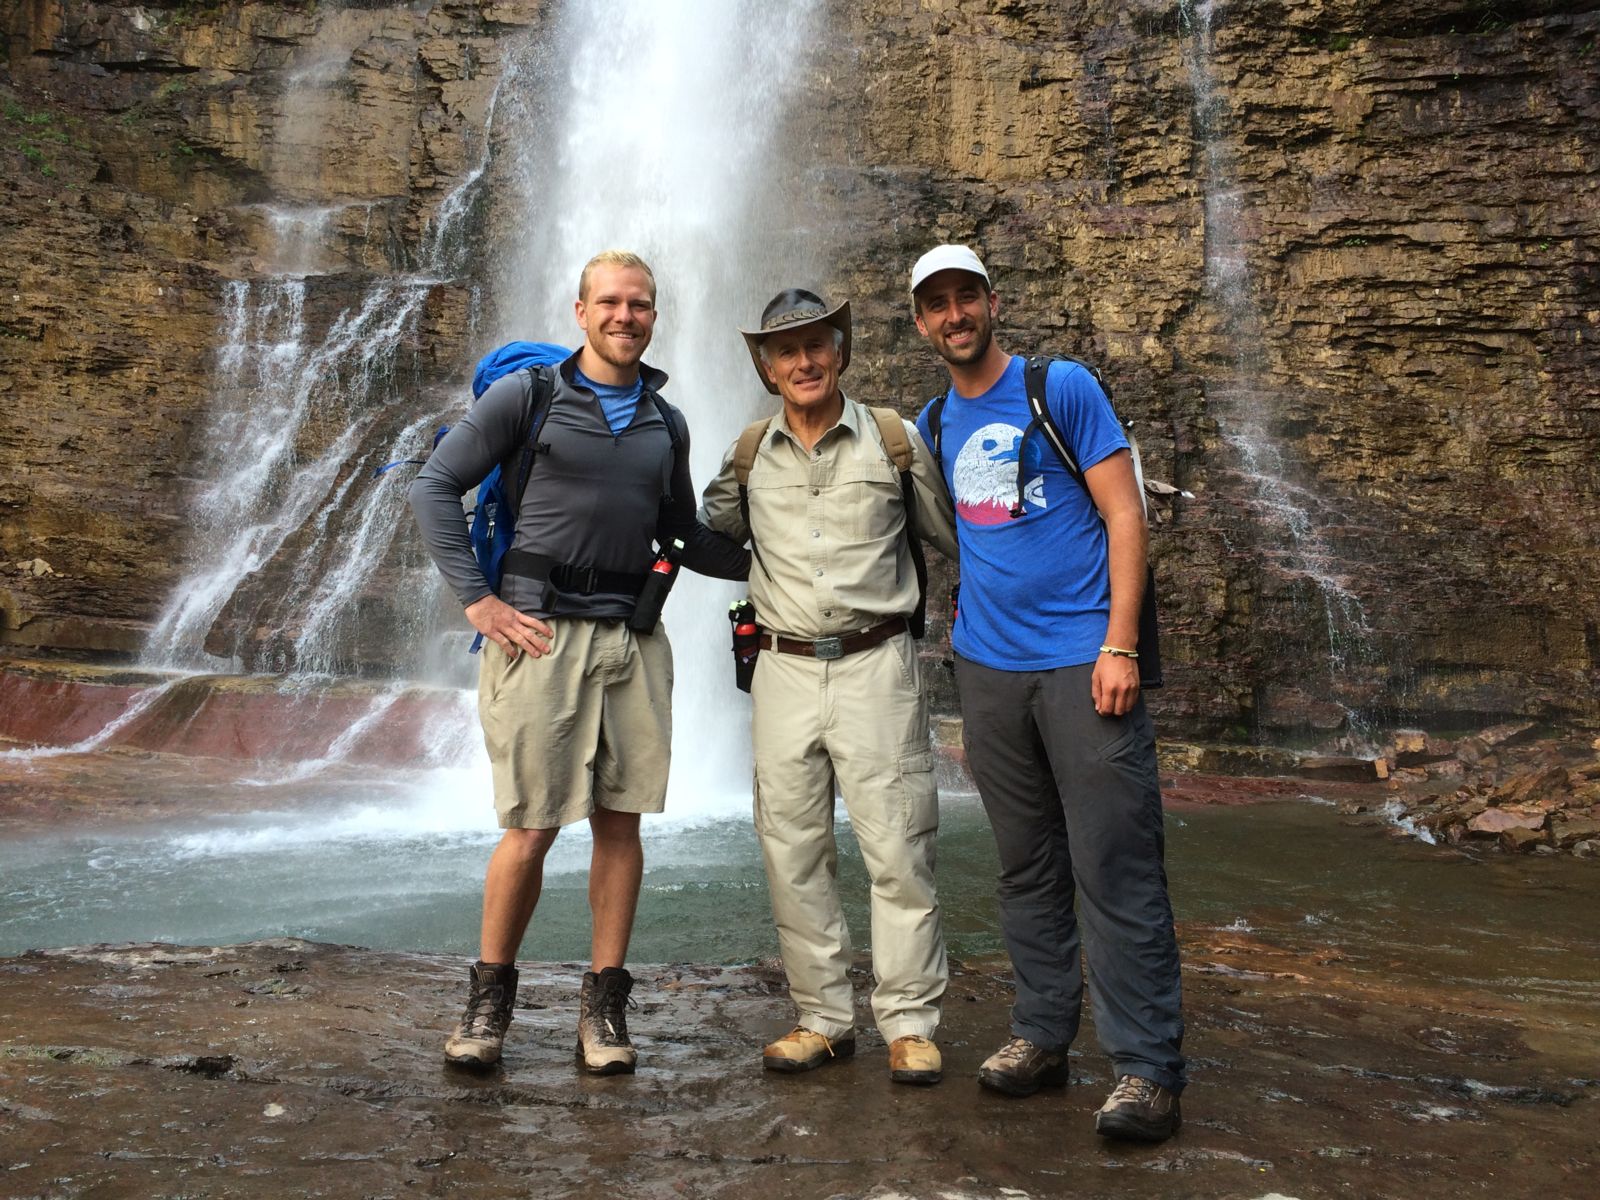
657 128
653 128
1243 400
266 483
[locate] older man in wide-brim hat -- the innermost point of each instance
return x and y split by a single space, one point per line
830 494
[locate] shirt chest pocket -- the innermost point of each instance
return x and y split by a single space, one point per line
865 503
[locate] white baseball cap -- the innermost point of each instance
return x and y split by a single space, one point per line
946 258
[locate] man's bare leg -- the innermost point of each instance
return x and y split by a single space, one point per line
511 891
615 873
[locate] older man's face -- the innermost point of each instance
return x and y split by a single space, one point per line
803 365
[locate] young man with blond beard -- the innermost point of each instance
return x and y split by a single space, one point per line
576 707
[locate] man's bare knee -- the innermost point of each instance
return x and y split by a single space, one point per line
527 845
614 828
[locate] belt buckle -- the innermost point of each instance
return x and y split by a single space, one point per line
828 647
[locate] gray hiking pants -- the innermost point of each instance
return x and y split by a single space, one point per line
1076 810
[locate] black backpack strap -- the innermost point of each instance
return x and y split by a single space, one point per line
674 430
936 427
1150 675
897 445
538 393
1034 376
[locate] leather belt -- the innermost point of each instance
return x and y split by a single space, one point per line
834 647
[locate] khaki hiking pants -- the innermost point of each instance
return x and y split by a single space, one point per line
860 722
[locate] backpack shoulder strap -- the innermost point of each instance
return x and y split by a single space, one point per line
744 457
936 427
1053 434
671 417
892 433
744 451
1034 376
538 394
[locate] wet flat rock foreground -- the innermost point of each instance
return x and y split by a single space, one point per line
286 1068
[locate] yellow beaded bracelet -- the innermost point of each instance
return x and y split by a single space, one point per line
1119 653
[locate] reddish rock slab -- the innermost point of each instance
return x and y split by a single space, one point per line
253 718
1498 820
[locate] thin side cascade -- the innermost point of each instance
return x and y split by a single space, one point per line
694 180
1243 401
292 437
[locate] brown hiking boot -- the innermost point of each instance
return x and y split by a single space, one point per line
1020 1068
603 1045
803 1049
490 998
1139 1110
914 1059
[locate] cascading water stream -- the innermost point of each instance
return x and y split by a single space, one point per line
660 132
649 129
1243 401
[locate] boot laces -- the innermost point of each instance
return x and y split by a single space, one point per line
800 1033
1134 1089
1015 1052
609 1004
485 1010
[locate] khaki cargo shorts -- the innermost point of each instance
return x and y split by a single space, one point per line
586 726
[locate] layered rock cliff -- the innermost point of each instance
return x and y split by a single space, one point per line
1337 260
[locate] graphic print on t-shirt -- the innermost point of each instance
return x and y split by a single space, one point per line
986 475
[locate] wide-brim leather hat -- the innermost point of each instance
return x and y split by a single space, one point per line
794 308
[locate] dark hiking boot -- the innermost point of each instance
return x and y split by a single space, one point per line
603 1045
1139 1110
477 1040
803 1049
1020 1068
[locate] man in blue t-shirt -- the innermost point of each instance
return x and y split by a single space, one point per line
1057 736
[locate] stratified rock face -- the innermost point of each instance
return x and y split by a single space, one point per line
156 154
1337 261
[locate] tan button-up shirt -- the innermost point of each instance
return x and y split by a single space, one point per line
828 526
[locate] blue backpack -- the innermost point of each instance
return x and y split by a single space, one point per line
494 516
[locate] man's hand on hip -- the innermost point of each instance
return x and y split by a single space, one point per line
514 632
1116 685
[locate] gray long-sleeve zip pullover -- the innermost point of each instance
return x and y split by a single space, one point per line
594 498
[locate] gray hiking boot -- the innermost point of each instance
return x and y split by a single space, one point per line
603 1045
1021 1068
477 1040
1139 1110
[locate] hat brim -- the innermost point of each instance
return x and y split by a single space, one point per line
838 318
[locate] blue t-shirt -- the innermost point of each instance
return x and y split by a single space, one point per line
616 403
1035 589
